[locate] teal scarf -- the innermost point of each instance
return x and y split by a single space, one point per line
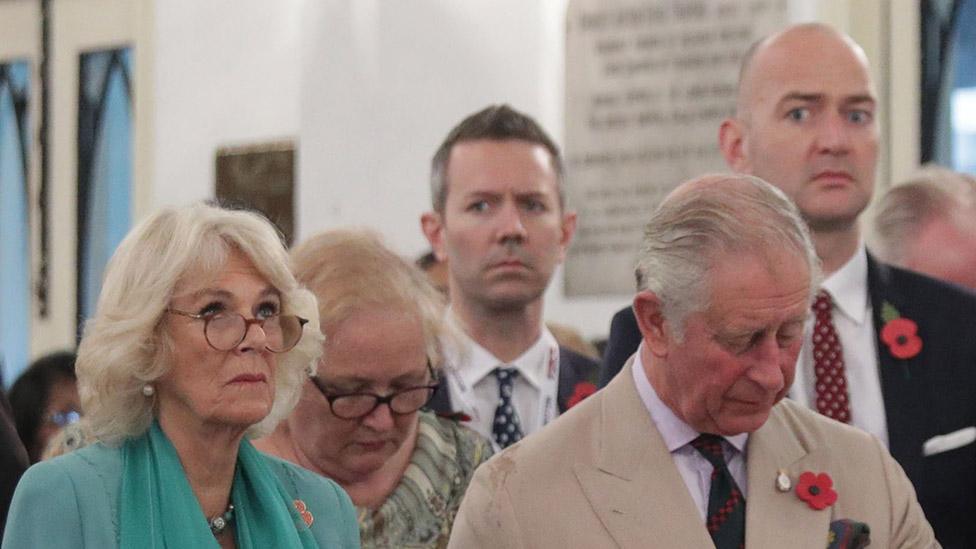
159 510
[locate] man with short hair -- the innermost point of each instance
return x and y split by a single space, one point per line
692 445
928 224
889 351
499 219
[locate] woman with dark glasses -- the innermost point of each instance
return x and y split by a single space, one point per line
359 420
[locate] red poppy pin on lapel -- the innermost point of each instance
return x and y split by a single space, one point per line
816 489
304 512
900 334
581 390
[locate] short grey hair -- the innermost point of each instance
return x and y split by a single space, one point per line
126 345
708 216
496 123
351 270
933 192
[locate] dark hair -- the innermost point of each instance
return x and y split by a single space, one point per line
499 123
426 261
29 394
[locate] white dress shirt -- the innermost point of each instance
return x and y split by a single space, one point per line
853 320
474 388
696 471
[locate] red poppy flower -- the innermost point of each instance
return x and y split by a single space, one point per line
459 417
901 336
304 512
582 390
816 490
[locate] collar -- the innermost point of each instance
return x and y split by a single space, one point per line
478 362
848 286
675 432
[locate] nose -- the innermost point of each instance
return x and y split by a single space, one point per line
255 338
510 223
833 135
380 419
767 369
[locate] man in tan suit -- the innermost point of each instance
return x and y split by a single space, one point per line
693 445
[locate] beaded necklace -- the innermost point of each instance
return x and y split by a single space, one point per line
219 523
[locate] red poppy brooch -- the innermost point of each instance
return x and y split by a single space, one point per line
582 390
900 334
816 489
304 512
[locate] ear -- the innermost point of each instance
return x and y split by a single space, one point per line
568 230
650 320
732 142
431 223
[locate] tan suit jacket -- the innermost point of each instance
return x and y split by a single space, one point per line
601 476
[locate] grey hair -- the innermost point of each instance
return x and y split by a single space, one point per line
933 192
126 345
708 216
497 123
352 271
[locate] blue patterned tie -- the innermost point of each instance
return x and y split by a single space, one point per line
507 428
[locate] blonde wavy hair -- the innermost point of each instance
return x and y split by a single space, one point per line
125 345
350 270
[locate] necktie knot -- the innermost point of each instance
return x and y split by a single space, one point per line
710 447
823 303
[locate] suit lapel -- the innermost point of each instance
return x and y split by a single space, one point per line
441 403
634 486
903 387
775 518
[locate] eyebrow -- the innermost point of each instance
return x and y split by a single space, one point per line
225 294
819 97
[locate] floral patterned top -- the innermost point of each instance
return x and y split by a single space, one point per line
420 510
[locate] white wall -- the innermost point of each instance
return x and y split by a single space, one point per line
226 72
383 83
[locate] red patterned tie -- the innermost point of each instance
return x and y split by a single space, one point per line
828 363
726 516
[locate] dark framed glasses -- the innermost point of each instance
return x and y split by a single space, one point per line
357 405
225 331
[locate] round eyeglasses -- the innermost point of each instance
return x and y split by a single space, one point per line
357 405
225 331
64 418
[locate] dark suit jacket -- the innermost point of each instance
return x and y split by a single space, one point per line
13 459
574 368
931 394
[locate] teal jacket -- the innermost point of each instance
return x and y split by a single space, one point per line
72 501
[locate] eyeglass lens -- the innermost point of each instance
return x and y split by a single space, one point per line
226 331
404 402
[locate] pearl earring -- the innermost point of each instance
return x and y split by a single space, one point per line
148 390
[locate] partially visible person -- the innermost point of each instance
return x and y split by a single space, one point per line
44 400
435 269
694 444
198 342
13 459
928 224
499 220
359 420
566 336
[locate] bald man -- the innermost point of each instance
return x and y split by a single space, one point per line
895 352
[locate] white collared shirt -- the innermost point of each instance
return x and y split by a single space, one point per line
474 388
853 320
696 471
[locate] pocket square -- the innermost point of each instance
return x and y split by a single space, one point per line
949 441
848 534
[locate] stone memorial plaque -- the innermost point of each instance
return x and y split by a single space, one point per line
260 177
647 85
